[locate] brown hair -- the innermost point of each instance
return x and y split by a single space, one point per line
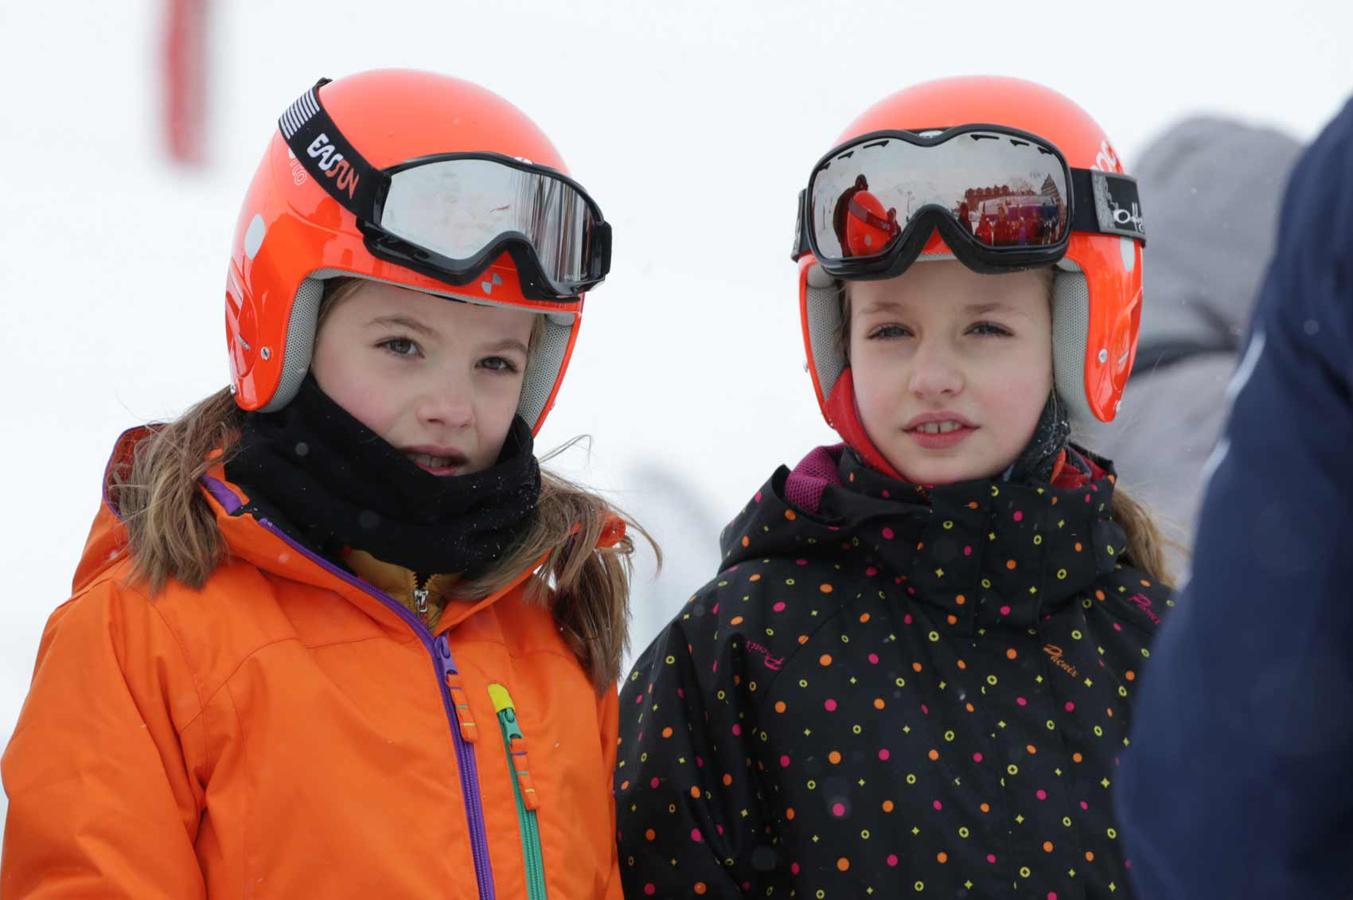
172 532
1146 543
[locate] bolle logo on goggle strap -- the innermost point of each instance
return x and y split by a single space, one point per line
1117 207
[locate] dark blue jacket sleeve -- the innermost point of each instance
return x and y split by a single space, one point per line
1239 780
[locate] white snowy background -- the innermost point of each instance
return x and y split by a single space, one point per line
693 123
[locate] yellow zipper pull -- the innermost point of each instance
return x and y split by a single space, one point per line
516 744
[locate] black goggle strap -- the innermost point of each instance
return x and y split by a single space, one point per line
325 153
801 245
601 254
1106 203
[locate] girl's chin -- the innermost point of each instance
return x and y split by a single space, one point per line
919 470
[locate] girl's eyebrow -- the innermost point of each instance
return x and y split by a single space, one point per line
981 309
507 344
883 304
972 309
402 322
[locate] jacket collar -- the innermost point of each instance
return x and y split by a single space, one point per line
265 544
984 552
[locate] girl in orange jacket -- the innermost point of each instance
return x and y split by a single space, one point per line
334 632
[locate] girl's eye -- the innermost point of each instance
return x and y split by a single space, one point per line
883 332
400 346
985 329
498 364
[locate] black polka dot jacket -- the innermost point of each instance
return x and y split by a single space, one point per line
892 692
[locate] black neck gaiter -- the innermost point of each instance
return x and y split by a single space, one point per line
337 483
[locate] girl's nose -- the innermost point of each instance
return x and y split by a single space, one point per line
935 371
446 403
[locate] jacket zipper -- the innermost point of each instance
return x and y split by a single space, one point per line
461 725
420 595
528 801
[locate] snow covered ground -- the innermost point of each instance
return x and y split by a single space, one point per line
693 123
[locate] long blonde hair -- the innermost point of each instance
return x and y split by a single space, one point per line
172 532
1146 543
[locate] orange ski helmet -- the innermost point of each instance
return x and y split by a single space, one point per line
292 234
1097 288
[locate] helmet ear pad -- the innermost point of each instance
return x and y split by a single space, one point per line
823 319
550 350
1070 333
300 348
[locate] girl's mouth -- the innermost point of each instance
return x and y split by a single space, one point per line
940 435
437 464
938 427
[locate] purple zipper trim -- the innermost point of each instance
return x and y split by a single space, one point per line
469 780
227 498
440 649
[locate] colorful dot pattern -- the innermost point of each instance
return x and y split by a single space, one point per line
922 695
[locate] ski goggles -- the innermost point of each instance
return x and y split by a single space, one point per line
450 215
1002 199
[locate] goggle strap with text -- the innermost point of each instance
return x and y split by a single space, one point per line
318 145
1114 208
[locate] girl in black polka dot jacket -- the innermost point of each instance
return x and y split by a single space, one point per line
914 674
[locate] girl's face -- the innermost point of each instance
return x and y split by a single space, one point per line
437 379
952 369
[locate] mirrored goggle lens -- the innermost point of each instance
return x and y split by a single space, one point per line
458 207
1002 190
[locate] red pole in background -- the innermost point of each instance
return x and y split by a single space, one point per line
184 80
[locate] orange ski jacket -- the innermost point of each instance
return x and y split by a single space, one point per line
290 730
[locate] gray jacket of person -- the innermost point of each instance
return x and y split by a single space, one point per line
1210 191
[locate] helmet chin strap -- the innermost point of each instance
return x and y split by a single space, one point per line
844 416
